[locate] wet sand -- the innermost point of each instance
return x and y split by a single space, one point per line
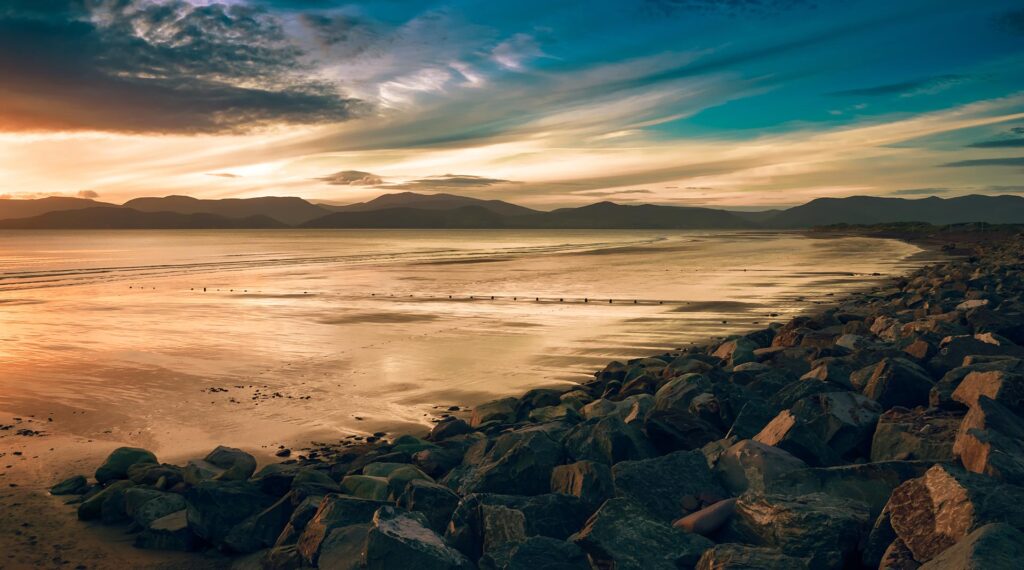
150 360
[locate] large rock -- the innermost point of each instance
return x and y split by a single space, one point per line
117 463
868 483
501 411
335 511
791 434
925 435
399 539
661 484
76 485
146 505
744 557
1004 387
752 465
622 535
991 441
436 502
216 507
934 512
344 548
827 529
262 529
518 463
953 350
737 351
237 465
845 421
93 506
899 382
535 553
588 480
608 440
992 547
170 532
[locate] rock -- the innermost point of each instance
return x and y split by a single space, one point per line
751 419
399 478
285 557
1004 387
897 557
991 441
789 433
151 474
674 430
366 487
237 464
661 484
399 539
277 478
709 519
992 547
303 512
216 507
450 428
905 435
622 535
335 511
197 470
501 525
559 413
117 463
313 482
825 528
953 350
899 382
538 398
737 351
114 509
744 557
589 480
845 421
868 483
344 548
436 502
76 485
752 465
170 532
261 530
934 512
518 463
538 552
607 440
92 507
410 445
502 411
146 505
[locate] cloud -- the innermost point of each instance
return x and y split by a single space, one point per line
223 175
731 7
1012 21
614 192
913 88
1012 138
168 67
514 52
921 191
89 194
352 178
450 181
1012 161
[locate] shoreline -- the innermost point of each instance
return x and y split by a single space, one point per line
321 452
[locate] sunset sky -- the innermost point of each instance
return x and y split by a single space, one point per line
545 103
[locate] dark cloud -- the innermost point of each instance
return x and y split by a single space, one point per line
906 88
615 192
89 194
449 181
223 175
352 178
1012 161
922 191
1012 138
1005 189
132 66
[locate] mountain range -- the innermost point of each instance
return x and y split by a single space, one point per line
422 211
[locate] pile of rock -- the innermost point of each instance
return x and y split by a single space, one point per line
887 431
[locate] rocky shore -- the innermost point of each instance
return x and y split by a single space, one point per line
884 432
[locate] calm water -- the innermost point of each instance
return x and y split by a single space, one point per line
323 334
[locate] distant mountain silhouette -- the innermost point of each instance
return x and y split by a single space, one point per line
432 202
104 218
12 209
288 210
411 210
875 210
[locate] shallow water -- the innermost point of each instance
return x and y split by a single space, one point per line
121 335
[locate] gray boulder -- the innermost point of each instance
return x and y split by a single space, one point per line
992 547
662 484
399 539
117 463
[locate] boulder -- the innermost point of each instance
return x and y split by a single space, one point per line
303 512
261 530
753 465
537 552
991 441
399 539
709 519
449 428
744 557
170 532
751 419
897 557
737 351
559 413
1004 387
436 502
146 505
789 433
925 435
992 547
827 529
117 463
589 480
237 465
675 430
661 484
76 485
216 507
899 382
502 411
152 474
953 350
335 511
344 548
868 483
366 487
608 440
622 535
92 507
518 463
845 421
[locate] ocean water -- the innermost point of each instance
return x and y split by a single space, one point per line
178 340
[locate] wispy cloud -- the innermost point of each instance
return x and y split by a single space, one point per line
912 88
352 178
1012 161
921 191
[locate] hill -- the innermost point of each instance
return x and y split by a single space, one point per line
412 218
288 210
128 219
13 209
874 210
609 215
432 202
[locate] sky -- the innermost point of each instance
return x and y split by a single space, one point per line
723 103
